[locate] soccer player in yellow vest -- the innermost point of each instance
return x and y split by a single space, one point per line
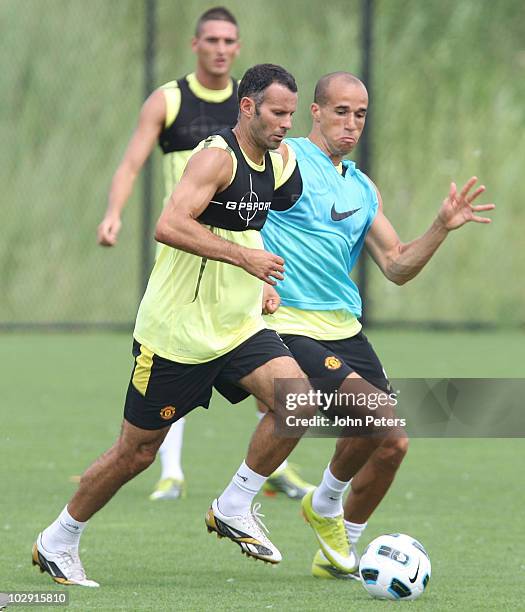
200 326
178 116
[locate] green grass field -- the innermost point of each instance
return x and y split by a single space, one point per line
62 402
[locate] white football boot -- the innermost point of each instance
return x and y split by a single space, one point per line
64 567
246 531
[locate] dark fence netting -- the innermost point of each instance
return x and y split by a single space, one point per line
446 103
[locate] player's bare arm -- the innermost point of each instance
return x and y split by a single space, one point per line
207 173
284 152
400 262
150 124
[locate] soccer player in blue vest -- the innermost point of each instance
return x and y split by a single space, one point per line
321 218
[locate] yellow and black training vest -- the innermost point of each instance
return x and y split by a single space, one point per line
193 113
196 309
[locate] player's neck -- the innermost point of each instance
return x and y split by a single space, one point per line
247 144
211 81
318 140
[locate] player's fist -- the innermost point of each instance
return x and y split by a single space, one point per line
271 300
108 231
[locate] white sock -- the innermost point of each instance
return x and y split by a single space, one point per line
327 499
284 464
282 467
170 452
63 533
354 531
237 498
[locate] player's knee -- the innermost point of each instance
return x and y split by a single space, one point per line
135 460
262 407
402 444
144 457
392 452
349 450
306 412
297 399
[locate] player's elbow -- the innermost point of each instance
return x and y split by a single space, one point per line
396 271
165 234
127 172
397 279
392 274
175 229
160 232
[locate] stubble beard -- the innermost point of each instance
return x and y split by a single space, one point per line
258 138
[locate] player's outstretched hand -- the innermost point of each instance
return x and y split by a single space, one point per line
458 209
108 230
263 265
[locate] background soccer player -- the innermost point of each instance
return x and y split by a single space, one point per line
320 220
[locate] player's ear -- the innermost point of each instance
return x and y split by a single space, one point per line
237 49
315 109
247 107
194 43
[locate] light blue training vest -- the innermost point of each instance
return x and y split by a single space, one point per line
321 236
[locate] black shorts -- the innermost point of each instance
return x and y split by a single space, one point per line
162 391
329 362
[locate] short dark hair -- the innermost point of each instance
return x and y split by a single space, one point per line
321 89
217 13
258 78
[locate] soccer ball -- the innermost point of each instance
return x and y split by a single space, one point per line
395 567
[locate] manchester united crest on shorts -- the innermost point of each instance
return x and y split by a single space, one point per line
332 363
167 413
